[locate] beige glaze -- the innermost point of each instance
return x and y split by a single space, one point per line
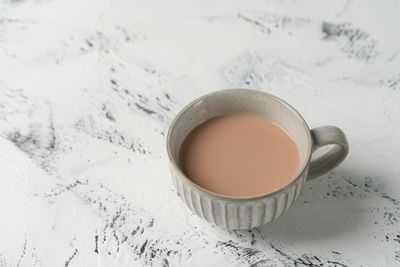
236 212
239 154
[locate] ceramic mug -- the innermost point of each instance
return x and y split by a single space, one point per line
248 212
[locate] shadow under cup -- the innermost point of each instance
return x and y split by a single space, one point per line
247 101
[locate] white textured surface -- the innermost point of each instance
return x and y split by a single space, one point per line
88 89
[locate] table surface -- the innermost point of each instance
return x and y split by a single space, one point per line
88 90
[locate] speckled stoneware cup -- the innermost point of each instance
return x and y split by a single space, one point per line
248 212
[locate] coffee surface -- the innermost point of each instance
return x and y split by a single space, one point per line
239 154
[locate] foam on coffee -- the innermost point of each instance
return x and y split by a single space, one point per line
239 154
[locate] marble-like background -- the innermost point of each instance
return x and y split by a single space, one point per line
87 92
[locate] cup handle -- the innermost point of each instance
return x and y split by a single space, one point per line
322 136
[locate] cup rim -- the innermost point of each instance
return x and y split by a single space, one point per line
239 198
